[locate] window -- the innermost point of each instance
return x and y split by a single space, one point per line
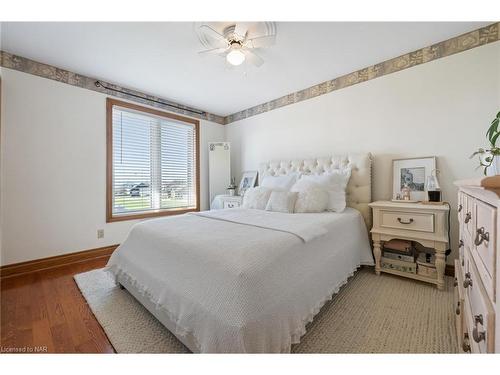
152 162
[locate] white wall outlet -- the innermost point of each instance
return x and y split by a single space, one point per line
100 233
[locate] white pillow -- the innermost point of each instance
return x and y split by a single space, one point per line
312 200
284 182
334 182
256 197
336 200
307 183
282 201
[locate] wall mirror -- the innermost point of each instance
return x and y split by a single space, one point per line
219 168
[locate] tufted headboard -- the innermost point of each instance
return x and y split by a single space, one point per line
359 189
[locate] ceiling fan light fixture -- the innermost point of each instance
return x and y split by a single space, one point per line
235 57
236 42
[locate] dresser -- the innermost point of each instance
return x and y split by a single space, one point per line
423 223
477 301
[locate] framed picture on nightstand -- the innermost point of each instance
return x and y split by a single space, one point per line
413 174
248 180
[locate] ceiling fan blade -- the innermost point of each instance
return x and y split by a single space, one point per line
241 29
207 30
261 41
213 51
253 58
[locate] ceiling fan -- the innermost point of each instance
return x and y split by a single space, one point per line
235 43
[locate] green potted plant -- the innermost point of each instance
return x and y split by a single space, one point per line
489 158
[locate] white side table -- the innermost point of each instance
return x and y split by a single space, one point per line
426 224
221 202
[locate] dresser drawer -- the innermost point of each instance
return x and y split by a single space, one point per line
485 238
468 343
461 209
468 216
458 305
480 315
423 222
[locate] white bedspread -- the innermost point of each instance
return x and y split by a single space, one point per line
306 230
242 280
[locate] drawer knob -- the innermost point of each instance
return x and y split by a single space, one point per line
468 280
460 207
410 220
457 310
468 216
460 244
481 236
465 343
476 335
455 282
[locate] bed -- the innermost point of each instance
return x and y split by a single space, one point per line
248 281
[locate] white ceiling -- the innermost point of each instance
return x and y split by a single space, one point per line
161 58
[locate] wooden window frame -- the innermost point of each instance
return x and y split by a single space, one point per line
109 162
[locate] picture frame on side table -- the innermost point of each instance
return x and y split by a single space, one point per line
248 180
413 173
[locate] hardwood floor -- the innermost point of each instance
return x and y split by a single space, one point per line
45 312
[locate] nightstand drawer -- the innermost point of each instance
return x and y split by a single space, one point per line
231 204
423 222
226 201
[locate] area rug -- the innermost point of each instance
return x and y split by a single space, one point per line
370 314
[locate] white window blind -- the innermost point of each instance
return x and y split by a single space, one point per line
153 163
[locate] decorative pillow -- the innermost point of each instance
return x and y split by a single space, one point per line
282 201
336 200
256 197
312 200
283 183
339 178
334 182
307 183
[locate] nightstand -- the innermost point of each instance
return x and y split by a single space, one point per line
226 201
422 223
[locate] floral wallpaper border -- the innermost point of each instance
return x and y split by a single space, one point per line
476 38
464 42
8 60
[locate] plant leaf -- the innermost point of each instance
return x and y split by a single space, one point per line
476 153
494 123
494 139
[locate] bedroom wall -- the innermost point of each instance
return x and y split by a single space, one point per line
440 108
53 168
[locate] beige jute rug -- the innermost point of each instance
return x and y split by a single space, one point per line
370 314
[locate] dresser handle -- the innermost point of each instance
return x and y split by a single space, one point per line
465 343
468 216
468 280
476 335
460 207
457 310
460 244
405 222
481 236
